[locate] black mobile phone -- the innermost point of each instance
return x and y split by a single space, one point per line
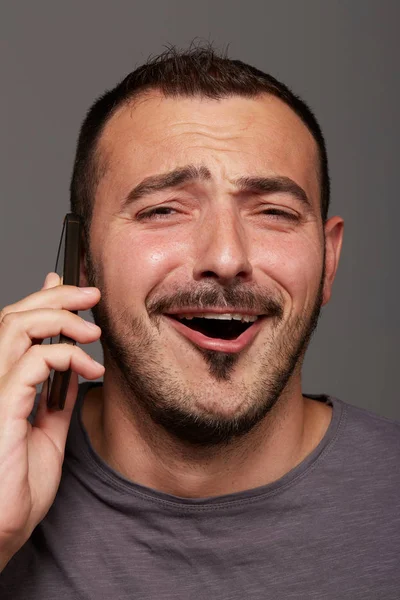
67 266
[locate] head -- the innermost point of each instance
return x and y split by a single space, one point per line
203 187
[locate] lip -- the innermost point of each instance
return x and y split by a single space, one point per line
217 344
216 311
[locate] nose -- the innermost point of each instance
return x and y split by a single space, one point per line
222 249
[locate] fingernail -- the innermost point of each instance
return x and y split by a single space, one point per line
90 324
46 278
88 290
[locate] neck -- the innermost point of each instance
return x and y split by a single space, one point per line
133 445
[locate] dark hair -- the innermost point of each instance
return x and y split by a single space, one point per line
199 71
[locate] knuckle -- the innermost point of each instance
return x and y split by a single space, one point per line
3 313
35 352
8 318
75 350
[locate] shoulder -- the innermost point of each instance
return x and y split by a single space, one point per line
368 439
369 425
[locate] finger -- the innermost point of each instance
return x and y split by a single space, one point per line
56 423
52 280
60 296
18 386
19 330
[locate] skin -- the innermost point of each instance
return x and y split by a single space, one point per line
213 236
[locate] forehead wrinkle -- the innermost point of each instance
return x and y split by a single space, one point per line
218 135
205 129
203 137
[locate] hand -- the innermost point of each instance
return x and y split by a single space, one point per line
31 456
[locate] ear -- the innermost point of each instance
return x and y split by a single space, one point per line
334 228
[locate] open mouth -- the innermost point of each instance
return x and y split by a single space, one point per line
219 326
228 332
216 328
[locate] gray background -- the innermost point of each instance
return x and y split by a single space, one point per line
341 57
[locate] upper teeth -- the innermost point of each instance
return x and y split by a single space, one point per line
223 317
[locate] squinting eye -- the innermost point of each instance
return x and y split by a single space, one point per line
155 213
279 214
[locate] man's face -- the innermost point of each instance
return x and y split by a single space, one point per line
234 229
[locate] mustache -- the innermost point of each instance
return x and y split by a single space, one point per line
238 298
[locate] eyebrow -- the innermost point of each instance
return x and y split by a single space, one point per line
274 185
173 179
190 173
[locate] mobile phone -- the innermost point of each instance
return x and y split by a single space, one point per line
67 266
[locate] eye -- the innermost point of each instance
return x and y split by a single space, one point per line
276 213
159 212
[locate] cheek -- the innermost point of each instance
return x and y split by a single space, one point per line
134 264
294 262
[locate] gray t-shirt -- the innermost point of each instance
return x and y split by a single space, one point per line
328 530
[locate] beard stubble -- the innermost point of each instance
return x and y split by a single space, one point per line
131 347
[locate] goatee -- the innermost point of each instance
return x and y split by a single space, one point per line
135 353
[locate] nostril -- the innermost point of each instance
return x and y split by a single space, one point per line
241 275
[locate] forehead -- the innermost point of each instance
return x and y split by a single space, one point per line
240 135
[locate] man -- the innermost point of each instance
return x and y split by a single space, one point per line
198 468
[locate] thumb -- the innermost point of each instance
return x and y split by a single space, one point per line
52 280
